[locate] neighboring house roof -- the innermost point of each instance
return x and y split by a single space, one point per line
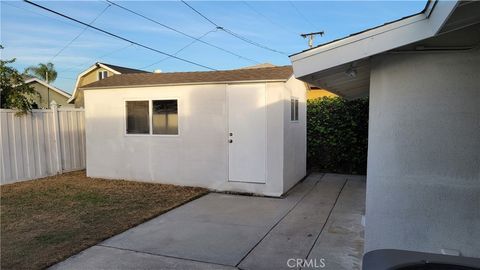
112 68
327 65
123 70
280 73
44 83
27 77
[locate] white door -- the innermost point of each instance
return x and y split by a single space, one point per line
247 133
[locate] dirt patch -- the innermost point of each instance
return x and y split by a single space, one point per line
46 220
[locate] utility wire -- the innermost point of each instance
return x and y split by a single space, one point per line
79 34
117 36
181 49
251 41
99 57
181 32
302 15
68 23
37 13
268 19
71 24
199 13
230 32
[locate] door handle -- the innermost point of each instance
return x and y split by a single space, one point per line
230 141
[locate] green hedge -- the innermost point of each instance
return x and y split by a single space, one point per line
337 135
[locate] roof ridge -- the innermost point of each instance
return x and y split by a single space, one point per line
209 71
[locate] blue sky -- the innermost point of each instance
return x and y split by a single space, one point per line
32 35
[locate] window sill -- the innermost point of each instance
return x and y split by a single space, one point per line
152 135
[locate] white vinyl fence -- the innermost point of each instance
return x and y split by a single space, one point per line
41 143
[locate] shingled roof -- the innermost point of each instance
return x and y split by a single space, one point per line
236 75
124 70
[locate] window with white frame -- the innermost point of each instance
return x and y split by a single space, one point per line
164 117
163 120
138 117
294 109
102 74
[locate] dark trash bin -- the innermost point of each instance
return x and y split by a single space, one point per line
393 259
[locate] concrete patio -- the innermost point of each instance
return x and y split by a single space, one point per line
319 220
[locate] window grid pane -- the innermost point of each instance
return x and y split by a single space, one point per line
296 109
165 117
137 117
102 75
292 109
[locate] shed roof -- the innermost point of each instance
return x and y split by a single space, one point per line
280 73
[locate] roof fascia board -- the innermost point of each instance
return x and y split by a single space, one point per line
88 70
429 8
48 86
358 37
182 84
108 68
373 42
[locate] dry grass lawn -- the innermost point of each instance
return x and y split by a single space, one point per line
45 221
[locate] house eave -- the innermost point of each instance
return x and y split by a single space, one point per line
309 65
61 92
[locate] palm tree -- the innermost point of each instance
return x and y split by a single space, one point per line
45 72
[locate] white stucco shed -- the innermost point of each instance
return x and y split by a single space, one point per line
421 74
238 130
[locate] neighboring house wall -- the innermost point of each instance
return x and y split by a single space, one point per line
295 135
318 93
88 78
423 182
198 156
47 95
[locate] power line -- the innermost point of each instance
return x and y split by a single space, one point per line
40 14
199 13
79 34
251 41
71 24
181 32
117 36
230 32
99 57
181 49
268 19
301 14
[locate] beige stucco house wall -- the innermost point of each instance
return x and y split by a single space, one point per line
91 75
48 93
314 93
88 78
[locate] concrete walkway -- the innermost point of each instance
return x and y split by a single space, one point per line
317 223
